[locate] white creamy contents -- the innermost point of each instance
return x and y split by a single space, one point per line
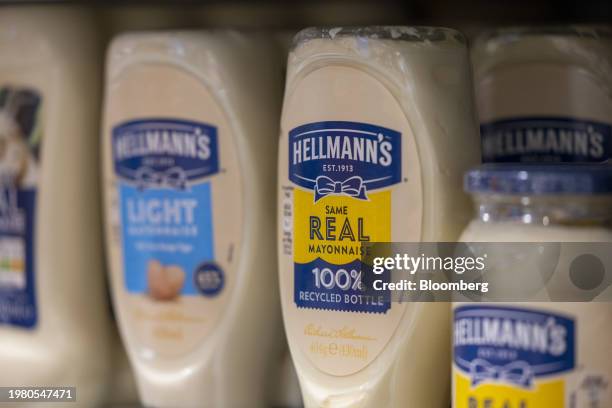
377 126
545 94
54 323
187 118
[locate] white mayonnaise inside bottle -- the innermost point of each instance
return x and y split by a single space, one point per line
189 128
54 321
377 128
537 353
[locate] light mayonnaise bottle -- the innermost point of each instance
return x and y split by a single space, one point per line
376 130
545 94
54 320
189 125
528 354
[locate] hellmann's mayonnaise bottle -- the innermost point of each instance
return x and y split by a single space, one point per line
545 94
537 354
189 124
54 315
376 130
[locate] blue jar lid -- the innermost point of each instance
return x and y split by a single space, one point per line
526 179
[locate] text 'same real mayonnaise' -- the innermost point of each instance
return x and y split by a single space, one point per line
377 128
54 323
545 94
544 354
189 128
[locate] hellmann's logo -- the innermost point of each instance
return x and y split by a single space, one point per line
344 158
546 138
512 346
164 152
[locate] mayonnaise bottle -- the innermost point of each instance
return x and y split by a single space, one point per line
545 94
544 354
189 124
377 128
54 320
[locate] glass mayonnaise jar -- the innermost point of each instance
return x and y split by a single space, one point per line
377 128
189 126
545 94
545 354
55 329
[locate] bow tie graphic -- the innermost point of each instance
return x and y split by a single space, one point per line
352 187
174 177
517 373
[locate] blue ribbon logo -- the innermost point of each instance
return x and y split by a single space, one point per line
174 177
352 187
516 373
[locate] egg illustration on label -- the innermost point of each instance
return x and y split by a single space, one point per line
165 282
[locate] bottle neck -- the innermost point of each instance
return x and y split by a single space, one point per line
545 210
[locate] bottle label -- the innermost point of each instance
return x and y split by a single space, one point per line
512 357
544 112
175 207
166 212
349 173
546 139
20 139
344 171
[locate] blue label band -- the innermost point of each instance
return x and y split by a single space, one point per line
17 220
325 286
512 345
167 221
164 152
546 139
21 135
344 158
